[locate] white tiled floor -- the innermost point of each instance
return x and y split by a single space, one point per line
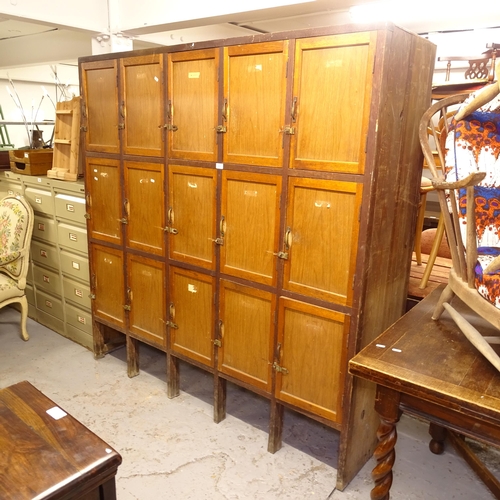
171 449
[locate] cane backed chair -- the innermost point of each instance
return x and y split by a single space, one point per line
469 198
16 227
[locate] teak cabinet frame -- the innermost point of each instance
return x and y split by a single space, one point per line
251 207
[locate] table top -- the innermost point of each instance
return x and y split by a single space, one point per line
45 452
433 360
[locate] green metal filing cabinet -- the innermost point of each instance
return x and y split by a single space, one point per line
58 288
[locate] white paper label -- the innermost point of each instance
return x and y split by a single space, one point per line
56 413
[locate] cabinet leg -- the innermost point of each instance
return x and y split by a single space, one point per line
438 435
173 376
132 357
220 393
275 427
98 340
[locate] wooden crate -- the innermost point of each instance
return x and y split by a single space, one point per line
30 161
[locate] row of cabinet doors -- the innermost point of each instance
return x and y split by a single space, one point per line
234 332
238 96
310 250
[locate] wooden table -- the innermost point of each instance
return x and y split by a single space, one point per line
46 453
429 369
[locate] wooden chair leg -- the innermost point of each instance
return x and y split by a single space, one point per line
24 318
434 251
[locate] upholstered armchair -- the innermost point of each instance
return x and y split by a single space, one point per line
16 227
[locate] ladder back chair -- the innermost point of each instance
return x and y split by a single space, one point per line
468 189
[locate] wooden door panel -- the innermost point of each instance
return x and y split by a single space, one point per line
144 206
146 295
311 355
103 185
108 284
332 94
322 233
192 104
192 311
100 90
246 334
251 212
143 107
255 93
191 215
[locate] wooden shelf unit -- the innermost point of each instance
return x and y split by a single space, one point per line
251 209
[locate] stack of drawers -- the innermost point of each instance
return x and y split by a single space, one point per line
58 282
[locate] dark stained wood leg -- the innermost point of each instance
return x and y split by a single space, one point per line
98 339
132 357
275 427
387 406
107 490
438 434
220 394
173 376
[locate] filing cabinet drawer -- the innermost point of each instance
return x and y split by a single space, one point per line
74 265
70 207
11 188
79 318
49 304
45 229
72 237
50 321
47 280
45 254
76 292
42 201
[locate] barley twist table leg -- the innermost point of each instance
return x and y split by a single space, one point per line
385 455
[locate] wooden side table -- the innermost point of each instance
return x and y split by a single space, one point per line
45 453
429 369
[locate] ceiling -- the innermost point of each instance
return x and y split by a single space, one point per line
26 41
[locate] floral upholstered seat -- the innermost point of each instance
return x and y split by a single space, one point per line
16 227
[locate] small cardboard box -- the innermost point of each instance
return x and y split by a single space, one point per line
30 161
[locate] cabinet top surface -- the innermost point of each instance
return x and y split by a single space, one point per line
433 360
47 451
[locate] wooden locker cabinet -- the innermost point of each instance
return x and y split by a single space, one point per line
290 184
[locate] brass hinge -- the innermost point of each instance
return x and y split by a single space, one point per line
86 216
171 230
173 128
218 343
121 126
83 129
124 220
289 130
127 308
171 324
280 369
219 241
221 129
282 255
92 296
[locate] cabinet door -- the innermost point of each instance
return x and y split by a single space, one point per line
104 198
144 206
331 102
191 215
192 104
311 357
142 106
254 103
245 333
250 225
146 296
321 238
191 311
108 284
100 106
